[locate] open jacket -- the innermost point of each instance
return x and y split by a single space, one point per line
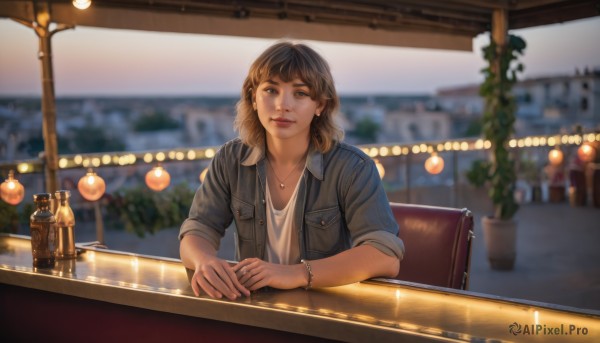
341 203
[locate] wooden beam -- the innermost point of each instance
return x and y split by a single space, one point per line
499 26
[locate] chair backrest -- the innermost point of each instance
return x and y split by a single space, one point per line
437 242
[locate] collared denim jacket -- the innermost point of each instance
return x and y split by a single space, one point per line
341 203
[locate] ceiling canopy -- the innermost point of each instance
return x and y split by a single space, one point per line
438 24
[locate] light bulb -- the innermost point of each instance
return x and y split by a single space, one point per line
555 156
82 4
91 186
11 191
586 153
434 164
380 169
158 179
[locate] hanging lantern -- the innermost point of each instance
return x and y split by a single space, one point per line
434 164
380 169
203 175
586 152
555 156
82 4
158 179
91 186
11 191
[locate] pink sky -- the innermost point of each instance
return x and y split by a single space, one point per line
90 61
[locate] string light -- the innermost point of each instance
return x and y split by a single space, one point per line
380 169
11 191
158 178
91 186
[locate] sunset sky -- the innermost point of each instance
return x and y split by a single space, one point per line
91 61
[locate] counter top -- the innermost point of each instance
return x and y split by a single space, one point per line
366 311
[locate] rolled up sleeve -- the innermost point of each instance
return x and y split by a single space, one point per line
368 213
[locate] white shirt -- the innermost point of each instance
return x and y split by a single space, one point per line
282 237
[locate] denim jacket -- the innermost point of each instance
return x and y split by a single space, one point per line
341 203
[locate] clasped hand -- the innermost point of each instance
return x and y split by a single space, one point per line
218 279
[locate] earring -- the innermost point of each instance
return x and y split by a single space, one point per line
318 114
254 105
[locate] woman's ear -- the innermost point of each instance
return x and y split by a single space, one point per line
320 108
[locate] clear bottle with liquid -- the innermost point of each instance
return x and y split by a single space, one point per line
42 224
65 227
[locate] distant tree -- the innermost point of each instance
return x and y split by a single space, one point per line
95 139
155 121
366 130
35 144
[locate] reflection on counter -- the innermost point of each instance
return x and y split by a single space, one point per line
370 310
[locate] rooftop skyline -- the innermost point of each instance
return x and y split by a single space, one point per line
109 62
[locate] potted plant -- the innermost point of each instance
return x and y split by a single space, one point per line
499 229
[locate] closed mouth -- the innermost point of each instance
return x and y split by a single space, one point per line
282 120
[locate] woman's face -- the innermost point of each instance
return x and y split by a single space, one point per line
285 109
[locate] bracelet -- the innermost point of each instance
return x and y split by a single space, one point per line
310 274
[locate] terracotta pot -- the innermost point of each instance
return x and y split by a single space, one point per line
500 242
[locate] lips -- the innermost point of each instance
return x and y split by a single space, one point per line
282 122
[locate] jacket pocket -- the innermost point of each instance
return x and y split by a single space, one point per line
324 231
243 213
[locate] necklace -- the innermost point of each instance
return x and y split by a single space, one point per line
282 183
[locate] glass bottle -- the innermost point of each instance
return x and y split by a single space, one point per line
65 224
42 224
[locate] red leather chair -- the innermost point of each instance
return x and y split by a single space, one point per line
437 242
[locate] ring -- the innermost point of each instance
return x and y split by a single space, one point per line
244 271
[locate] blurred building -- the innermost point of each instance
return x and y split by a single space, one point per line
545 104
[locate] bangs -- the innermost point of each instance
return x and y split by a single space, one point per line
288 61
289 65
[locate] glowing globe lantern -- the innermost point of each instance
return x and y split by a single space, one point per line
158 179
11 191
91 186
586 153
434 164
555 156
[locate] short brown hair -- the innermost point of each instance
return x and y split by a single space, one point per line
287 61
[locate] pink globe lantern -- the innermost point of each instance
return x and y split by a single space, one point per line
586 152
91 186
158 179
11 191
555 156
434 164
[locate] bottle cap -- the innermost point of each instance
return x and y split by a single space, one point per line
62 194
42 197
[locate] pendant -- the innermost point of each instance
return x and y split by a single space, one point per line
282 186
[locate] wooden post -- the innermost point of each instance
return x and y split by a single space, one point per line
499 31
41 26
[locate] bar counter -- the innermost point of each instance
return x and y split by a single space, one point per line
89 297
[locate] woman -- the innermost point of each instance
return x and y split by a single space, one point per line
309 210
